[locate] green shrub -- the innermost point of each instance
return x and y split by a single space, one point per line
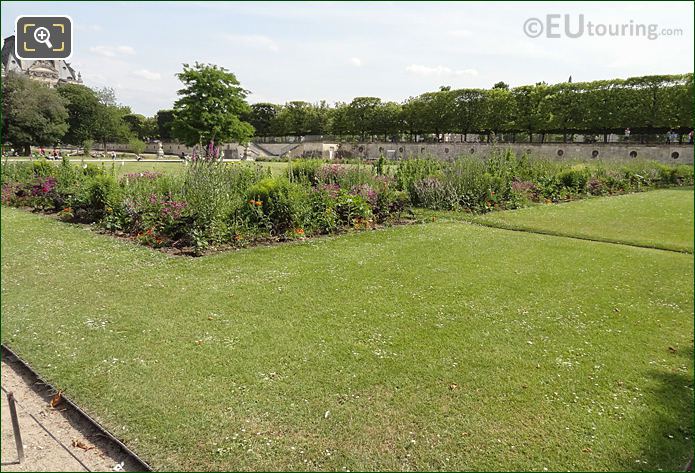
87 146
17 172
43 168
102 195
352 209
137 146
276 204
680 175
92 170
304 170
413 170
322 216
433 193
575 178
215 192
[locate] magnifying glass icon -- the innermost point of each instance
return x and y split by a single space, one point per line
42 35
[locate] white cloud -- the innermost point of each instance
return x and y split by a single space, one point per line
254 41
460 33
439 71
87 27
112 51
149 75
355 61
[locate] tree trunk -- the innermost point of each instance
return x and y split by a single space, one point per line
26 150
530 137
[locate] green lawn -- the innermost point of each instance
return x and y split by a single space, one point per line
277 168
122 167
661 219
438 346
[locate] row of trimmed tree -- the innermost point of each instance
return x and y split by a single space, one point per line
646 105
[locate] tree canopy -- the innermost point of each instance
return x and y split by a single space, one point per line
33 114
210 106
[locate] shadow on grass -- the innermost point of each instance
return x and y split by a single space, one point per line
667 439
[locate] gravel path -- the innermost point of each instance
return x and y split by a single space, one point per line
91 449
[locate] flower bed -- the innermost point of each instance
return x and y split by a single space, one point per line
214 205
211 204
506 181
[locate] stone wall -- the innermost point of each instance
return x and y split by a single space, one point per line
231 151
570 151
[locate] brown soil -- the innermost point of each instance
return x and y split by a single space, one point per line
42 452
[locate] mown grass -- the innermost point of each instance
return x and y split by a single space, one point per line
661 219
123 167
439 346
126 167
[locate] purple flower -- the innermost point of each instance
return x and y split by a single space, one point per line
332 189
366 192
43 185
331 173
523 186
148 175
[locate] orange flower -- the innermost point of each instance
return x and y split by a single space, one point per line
252 202
258 203
299 231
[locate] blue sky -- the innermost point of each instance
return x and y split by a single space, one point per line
339 50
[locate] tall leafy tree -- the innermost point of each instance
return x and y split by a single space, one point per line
165 120
110 125
388 121
210 106
261 116
32 113
294 118
339 123
83 112
531 116
362 113
468 111
137 124
498 111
